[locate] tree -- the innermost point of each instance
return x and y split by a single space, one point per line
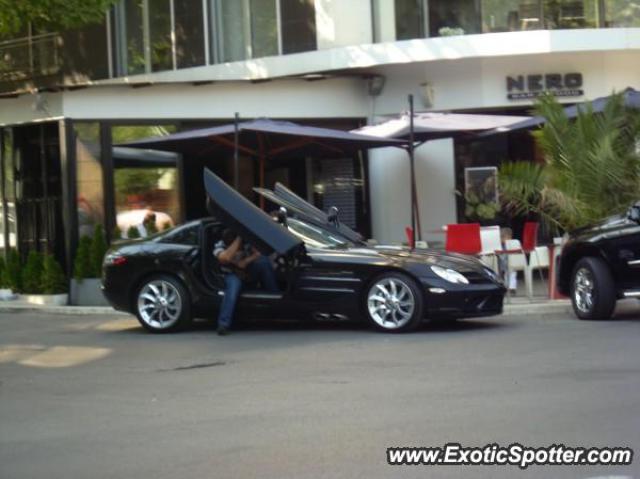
133 233
32 274
53 279
591 168
50 15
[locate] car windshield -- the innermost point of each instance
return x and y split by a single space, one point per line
315 236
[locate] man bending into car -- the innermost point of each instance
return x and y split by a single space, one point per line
240 264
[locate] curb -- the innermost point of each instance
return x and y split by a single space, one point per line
61 310
519 309
530 309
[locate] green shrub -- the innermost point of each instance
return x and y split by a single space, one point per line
116 234
82 267
3 273
166 225
54 280
133 233
98 250
13 272
151 228
32 273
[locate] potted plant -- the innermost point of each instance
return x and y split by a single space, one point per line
85 284
43 281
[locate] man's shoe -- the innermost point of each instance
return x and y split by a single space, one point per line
222 331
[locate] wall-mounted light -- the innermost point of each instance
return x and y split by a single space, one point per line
375 84
427 94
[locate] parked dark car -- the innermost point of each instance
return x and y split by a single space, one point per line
601 264
173 276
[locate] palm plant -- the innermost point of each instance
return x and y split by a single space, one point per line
591 168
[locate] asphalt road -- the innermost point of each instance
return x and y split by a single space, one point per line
97 397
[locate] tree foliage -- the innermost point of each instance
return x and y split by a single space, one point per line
98 250
50 15
82 267
32 273
591 168
54 280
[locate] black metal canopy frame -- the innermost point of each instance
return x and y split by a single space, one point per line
265 139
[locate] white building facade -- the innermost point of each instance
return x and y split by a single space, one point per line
341 63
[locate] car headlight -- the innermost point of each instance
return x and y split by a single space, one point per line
449 275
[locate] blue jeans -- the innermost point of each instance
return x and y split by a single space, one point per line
260 270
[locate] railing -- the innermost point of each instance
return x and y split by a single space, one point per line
30 57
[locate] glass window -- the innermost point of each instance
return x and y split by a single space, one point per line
264 28
622 13
134 36
160 35
189 33
89 55
145 182
187 235
232 30
509 16
454 17
567 14
298 23
90 199
409 19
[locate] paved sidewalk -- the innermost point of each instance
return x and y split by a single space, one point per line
517 306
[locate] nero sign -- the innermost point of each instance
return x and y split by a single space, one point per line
522 87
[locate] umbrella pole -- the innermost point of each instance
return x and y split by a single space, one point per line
236 159
412 174
261 166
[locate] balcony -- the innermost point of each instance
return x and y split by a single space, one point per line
30 60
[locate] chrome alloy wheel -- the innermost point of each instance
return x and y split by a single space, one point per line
583 289
159 304
391 303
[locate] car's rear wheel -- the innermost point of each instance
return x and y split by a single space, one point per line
162 304
394 303
593 293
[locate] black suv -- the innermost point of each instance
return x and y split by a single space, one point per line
600 264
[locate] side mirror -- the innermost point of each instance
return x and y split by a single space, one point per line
282 215
634 213
332 215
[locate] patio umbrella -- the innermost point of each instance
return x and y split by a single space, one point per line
265 138
631 99
419 128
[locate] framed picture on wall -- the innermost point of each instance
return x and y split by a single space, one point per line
481 193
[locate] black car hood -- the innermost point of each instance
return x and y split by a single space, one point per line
253 224
307 212
610 227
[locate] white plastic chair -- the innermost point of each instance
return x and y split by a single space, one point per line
490 242
518 262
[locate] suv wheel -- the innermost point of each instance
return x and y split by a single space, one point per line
593 293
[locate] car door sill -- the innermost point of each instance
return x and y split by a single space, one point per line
631 294
257 295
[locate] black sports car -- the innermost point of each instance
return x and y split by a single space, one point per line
601 264
326 271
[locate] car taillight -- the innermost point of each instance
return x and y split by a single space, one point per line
114 260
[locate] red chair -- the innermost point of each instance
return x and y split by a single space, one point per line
464 238
530 237
409 232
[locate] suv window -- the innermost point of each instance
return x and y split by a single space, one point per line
187 235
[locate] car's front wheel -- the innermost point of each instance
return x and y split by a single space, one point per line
593 293
394 303
162 304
